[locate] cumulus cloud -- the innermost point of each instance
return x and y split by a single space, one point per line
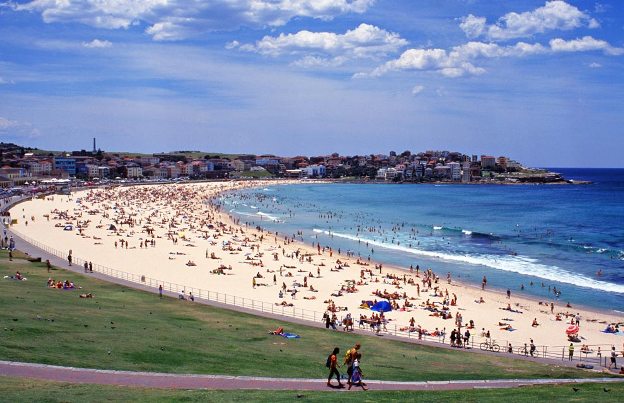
554 15
97 44
14 128
362 42
585 44
459 60
179 19
595 65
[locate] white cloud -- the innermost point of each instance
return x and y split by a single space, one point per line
554 15
585 44
417 89
459 60
314 62
595 65
179 19
14 128
362 42
97 44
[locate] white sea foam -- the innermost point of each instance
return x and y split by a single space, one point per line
466 232
437 227
516 264
269 216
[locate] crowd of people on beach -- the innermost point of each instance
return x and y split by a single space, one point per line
183 220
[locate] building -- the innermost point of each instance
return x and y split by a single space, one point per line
314 171
103 172
172 171
263 162
502 162
466 172
442 172
14 173
488 162
455 171
237 165
67 165
134 171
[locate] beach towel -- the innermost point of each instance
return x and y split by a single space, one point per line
290 335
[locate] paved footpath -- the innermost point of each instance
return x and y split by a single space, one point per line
224 382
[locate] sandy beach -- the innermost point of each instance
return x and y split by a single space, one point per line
173 233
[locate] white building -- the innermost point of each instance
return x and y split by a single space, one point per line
465 172
455 171
314 171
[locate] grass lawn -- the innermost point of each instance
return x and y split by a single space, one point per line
125 329
20 389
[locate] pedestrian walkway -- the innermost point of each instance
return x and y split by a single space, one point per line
224 382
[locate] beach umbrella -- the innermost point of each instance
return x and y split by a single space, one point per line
572 329
382 306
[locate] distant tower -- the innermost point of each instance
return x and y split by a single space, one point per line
94 148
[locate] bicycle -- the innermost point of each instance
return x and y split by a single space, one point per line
523 351
489 345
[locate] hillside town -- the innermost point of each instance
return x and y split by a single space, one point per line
22 165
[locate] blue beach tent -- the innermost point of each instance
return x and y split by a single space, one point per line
382 306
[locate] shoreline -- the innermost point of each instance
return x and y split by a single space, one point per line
493 289
466 292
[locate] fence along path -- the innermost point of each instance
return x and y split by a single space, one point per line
558 353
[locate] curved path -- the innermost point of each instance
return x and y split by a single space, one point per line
224 382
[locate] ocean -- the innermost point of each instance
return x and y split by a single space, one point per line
532 239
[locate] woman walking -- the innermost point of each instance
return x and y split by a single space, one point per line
332 363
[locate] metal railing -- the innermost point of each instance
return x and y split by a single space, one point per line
475 342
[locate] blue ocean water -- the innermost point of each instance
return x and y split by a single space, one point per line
530 238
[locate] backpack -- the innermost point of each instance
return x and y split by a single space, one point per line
328 363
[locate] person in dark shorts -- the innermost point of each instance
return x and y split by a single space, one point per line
613 361
332 361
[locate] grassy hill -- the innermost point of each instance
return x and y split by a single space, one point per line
126 329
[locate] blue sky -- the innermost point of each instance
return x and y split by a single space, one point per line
539 81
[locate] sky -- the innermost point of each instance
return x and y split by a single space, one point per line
539 81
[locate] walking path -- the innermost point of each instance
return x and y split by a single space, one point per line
224 382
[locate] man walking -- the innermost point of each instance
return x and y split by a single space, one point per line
613 355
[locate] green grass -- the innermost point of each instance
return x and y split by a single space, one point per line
20 389
126 329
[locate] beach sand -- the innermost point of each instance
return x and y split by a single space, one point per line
187 228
